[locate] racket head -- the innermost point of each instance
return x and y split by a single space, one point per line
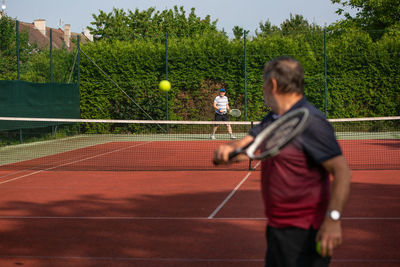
271 140
235 113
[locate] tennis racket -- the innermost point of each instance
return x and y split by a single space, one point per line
271 140
235 113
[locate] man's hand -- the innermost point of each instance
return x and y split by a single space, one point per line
330 233
330 236
221 154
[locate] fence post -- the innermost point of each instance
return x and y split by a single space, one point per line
51 54
325 76
166 73
17 44
78 50
245 77
78 62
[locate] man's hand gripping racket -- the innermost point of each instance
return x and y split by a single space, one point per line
271 140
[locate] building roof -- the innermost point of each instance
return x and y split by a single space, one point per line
59 39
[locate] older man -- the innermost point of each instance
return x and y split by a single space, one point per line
301 205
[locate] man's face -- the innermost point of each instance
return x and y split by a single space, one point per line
267 93
221 93
269 100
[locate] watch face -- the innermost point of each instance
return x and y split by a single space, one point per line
335 215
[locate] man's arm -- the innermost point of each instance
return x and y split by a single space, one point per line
221 154
330 233
215 106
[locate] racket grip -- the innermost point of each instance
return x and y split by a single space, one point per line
233 154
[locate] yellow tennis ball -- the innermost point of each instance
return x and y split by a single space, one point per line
165 85
318 248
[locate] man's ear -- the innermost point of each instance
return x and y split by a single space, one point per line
274 86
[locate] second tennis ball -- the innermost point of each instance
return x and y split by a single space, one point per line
165 85
318 248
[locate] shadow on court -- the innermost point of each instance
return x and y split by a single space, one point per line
160 230
127 232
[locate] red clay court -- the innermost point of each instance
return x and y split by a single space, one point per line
68 210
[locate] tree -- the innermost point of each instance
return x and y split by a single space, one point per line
119 25
238 32
294 24
267 29
373 16
7 34
8 57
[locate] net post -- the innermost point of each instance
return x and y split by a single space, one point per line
20 136
250 160
54 131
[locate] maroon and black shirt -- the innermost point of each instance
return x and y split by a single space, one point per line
295 186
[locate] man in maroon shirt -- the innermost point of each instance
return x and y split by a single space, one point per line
301 205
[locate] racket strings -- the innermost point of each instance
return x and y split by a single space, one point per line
279 136
235 113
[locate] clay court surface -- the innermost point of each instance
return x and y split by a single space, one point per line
66 217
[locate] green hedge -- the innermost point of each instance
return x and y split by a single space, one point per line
362 75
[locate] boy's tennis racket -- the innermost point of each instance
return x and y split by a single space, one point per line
270 141
235 113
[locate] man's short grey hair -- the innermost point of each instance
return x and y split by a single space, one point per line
288 73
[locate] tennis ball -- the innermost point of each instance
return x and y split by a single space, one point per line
318 248
165 85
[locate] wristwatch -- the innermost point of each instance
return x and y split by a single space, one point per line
334 215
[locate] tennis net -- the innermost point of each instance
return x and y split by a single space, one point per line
122 145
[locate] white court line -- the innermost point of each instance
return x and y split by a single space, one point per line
124 218
15 173
371 218
29 169
40 166
171 218
72 162
132 259
231 194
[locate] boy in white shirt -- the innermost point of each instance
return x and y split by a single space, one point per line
221 106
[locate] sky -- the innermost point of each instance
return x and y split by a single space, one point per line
244 13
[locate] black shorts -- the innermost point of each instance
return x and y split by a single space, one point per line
221 117
293 247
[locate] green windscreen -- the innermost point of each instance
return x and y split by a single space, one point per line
37 100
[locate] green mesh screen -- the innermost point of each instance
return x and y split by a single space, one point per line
32 100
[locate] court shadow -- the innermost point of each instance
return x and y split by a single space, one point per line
173 230
140 230
391 144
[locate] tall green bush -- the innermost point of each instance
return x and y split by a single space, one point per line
362 74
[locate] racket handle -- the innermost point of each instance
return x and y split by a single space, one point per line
231 156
